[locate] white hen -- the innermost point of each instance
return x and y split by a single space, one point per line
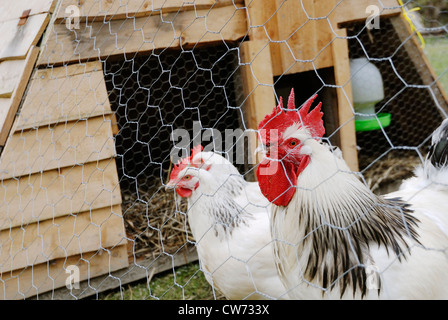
229 219
334 237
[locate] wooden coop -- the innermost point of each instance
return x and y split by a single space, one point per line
90 91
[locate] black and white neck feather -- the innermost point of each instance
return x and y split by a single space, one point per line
337 220
212 205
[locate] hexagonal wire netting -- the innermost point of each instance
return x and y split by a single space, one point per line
411 122
201 88
152 96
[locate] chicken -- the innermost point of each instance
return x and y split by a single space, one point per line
229 219
333 237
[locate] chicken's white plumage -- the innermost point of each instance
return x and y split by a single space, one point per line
230 221
334 238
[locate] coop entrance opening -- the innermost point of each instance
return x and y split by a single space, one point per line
152 96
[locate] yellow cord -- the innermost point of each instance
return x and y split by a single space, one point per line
408 16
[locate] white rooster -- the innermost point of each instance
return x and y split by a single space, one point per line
229 219
336 239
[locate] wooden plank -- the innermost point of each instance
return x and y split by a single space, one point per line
105 10
350 11
67 70
263 25
420 61
143 35
5 104
49 276
10 72
305 36
63 145
12 10
52 100
17 40
258 84
61 237
59 192
345 100
137 270
257 80
9 109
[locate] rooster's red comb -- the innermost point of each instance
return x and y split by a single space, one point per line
185 162
281 119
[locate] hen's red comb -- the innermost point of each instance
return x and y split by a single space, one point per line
281 119
185 162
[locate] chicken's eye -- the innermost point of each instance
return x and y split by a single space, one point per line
187 177
293 143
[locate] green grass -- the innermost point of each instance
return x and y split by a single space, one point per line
436 49
187 283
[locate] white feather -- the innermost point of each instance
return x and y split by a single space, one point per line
237 260
327 181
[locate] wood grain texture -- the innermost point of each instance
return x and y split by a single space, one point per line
61 237
8 109
142 35
346 114
59 192
59 146
12 10
297 31
53 99
105 10
10 72
17 40
350 11
258 84
263 25
51 275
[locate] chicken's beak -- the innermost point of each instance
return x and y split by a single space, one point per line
170 185
260 149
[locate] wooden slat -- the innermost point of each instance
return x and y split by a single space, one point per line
137 270
67 70
144 34
106 10
17 40
345 100
49 276
10 72
59 192
5 104
54 99
12 10
63 145
350 11
258 81
9 108
263 25
306 41
258 84
61 237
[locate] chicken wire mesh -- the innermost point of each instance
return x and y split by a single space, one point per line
52 218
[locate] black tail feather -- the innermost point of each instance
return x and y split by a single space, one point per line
438 152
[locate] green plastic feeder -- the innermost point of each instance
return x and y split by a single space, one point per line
370 124
367 88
